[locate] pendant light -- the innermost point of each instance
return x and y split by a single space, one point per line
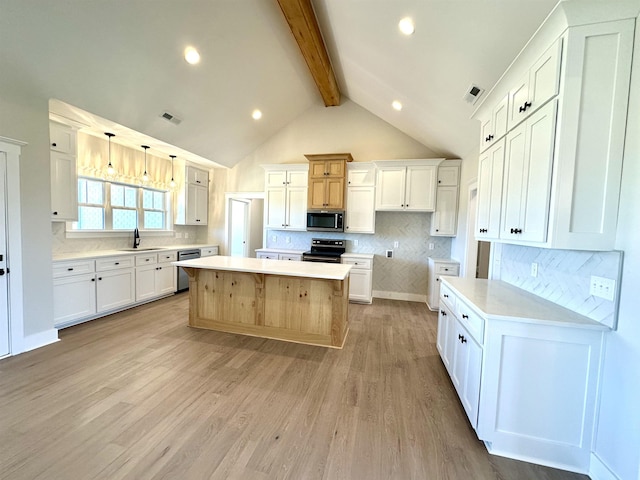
145 175
173 182
110 170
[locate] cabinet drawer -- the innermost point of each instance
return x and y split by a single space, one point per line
208 251
271 256
471 321
447 269
113 263
165 257
75 267
358 263
147 259
448 297
296 258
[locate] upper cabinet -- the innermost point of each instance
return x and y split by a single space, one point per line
406 185
64 179
361 189
327 181
557 174
444 221
494 126
192 200
285 202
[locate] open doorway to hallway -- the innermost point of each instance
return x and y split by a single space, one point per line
243 225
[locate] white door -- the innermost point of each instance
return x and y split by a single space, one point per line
4 290
238 227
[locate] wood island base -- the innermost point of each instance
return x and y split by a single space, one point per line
312 311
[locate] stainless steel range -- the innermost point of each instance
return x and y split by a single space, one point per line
325 250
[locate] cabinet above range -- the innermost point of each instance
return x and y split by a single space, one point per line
327 180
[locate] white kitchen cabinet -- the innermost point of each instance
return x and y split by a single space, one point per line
494 127
527 177
74 297
360 277
155 276
361 174
192 199
115 283
406 185
360 213
437 268
526 370
537 86
286 197
489 203
444 221
209 251
64 178
583 71
275 254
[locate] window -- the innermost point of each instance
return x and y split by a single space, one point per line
116 206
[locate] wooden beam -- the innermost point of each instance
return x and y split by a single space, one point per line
304 26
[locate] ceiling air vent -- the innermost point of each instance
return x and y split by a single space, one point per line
472 94
171 118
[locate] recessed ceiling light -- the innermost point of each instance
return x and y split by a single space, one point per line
396 105
406 26
256 114
191 55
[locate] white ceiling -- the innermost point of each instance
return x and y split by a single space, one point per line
122 61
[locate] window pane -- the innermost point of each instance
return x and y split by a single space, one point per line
147 199
153 220
94 192
130 197
158 200
82 190
117 195
90 218
124 219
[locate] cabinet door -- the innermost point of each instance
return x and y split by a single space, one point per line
297 178
444 332
197 205
145 282
335 193
296 217
63 138
317 193
275 178
335 168
499 119
486 130
390 188
115 289
490 170
518 97
444 220
360 213
275 207
421 188
544 77
317 169
527 177
166 279
361 176
470 382
64 187
360 285
196 176
448 176
73 298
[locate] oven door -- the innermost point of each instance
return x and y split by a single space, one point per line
320 258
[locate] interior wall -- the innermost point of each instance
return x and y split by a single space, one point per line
618 428
468 176
27 119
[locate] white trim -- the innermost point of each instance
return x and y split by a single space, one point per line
40 339
471 248
14 244
407 297
599 471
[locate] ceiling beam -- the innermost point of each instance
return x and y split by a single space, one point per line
304 26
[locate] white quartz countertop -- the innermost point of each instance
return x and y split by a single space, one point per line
329 271
495 299
113 253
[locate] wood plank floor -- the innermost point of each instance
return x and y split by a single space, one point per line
139 395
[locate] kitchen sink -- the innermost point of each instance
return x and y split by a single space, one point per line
140 249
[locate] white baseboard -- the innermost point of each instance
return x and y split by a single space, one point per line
407 297
40 339
599 471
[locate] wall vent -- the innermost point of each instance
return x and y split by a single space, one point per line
472 94
171 118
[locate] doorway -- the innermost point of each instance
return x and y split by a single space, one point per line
238 227
478 253
4 284
243 223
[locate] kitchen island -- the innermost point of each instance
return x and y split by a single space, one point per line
302 302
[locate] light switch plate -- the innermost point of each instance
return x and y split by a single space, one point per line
602 287
534 269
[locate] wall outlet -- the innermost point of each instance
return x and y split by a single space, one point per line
287 239
274 238
534 269
355 243
395 244
389 254
178 234
602 287
431 246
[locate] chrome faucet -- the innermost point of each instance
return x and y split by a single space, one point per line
136 238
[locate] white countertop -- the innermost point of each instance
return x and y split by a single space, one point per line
495 299
329 271
113 253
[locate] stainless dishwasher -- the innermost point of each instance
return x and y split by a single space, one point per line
183 278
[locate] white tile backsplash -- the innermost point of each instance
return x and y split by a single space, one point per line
564 277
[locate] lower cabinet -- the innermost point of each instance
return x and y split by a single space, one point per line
273 254
74 298
114 289
360 277
155 276
436 269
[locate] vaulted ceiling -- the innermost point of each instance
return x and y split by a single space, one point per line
123 61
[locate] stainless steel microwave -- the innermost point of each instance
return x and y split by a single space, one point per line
322 221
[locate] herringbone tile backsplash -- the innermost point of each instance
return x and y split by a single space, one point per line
406 272
563 277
